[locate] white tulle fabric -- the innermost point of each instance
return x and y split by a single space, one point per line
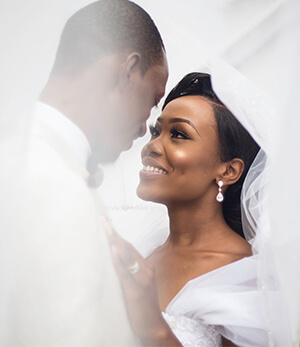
29 37
257 113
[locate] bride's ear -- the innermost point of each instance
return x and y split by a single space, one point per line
232 171
129 69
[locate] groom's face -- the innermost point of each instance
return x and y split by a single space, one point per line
128 112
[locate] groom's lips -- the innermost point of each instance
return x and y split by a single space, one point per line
134 137
130 142
128 145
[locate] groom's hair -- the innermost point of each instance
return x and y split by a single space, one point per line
107 27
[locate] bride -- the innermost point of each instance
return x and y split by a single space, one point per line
199 288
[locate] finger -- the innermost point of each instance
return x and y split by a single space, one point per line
130 281
125 250
136 272
119 265
127 254
115 245
128 262
121 250
109 229
107 225
113 236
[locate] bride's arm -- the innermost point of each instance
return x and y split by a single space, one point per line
140 292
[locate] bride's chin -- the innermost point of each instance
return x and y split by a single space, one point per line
142 194
147 194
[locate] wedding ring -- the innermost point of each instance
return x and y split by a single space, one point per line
134 268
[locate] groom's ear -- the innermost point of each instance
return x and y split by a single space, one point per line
129 69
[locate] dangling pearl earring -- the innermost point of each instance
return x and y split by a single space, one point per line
220 196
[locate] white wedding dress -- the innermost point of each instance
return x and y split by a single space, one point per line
192 333
223 302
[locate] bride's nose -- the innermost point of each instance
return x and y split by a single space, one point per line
153 148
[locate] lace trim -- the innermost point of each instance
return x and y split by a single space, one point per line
192 333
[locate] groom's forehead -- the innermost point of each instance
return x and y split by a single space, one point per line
158 75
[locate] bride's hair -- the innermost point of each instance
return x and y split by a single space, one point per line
234 140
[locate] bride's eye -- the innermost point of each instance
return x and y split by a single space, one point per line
153 131
178 134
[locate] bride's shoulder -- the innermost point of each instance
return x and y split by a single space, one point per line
227 249
233 246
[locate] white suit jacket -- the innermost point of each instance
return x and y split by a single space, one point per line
64 289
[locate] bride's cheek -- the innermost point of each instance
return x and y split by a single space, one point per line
182 159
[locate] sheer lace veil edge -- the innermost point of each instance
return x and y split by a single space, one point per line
256 111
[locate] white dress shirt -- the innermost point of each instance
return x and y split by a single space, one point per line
63 290
66 129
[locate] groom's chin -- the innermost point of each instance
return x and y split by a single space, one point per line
108 157
107 154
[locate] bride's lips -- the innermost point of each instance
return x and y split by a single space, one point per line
151 168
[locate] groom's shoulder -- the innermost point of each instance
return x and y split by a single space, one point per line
43 158
46 167
50 184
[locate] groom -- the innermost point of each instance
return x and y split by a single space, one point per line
110 70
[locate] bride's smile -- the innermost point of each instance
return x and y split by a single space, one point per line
151 168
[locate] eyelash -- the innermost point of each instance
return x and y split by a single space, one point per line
155 133
176 132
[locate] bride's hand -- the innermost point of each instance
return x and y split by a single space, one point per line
137 278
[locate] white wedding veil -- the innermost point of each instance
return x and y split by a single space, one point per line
260 39
257 112
269 47
269 196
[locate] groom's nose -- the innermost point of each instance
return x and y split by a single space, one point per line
142 130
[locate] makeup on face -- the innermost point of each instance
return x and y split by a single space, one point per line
184 146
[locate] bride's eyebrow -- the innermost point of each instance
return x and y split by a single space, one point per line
179 120
183 120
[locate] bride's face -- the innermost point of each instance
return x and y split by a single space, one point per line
181 161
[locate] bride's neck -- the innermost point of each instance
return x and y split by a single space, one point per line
195 225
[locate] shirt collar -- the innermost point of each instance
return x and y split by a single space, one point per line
64 127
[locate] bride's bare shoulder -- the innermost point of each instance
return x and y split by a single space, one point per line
232 247
238 245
